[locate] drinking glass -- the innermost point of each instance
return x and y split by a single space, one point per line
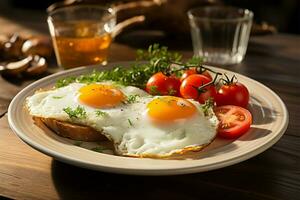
81 34
220 34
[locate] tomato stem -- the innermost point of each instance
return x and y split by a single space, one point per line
166 72
199 68
202 89
229 81
183 66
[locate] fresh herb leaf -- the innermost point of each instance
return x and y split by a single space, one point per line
78 113
130 123
132 98
207 106
100 113
158 58
57 97
65 82
153 90
172 92
156 52
195 60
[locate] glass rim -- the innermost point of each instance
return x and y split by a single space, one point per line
248 14
65 8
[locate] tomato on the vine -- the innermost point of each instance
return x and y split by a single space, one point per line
234 121
194 71
190 88
233 94
161 84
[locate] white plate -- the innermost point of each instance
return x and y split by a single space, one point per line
270 120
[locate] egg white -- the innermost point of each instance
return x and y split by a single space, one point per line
127 125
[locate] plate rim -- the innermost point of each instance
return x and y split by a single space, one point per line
136 171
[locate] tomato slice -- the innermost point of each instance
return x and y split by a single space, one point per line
234 121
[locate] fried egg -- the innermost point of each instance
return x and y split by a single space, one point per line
138 124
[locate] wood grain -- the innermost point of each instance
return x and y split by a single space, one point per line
257 178
22 169
28 174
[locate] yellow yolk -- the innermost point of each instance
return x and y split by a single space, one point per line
169 108
100 96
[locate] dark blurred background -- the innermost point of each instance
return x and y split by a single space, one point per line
283 14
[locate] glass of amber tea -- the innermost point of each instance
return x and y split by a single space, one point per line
81 34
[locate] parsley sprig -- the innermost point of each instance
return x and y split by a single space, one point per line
101 113
208 104
158 59
132 98
57 97
77 113
130 122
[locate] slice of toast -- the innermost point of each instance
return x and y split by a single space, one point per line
72 131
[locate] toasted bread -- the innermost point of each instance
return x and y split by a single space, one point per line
72 131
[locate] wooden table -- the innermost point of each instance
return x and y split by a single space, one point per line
275 174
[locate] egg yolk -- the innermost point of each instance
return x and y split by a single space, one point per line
100 96
169 108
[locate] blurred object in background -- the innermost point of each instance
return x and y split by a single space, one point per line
220 34
263 28
283 14
81 34
33 4
162 15
21 56
168 16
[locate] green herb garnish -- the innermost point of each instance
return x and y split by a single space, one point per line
207 106
132 98
100 113
57 97
78 113
156 52
130 123
153 90
158 59
65 82
172 92
195 60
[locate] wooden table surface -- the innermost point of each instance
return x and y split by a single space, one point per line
273 60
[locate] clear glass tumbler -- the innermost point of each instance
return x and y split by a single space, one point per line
220 34
81 34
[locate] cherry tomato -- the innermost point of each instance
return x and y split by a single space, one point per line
189 88
161 84
194 71
233 94
234 121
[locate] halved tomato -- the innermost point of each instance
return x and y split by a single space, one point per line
234 121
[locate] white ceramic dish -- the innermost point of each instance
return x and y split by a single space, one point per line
270 120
